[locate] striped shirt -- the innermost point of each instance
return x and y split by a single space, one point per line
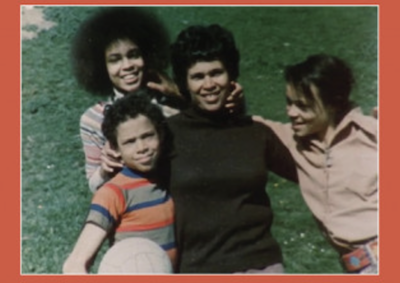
93 142
132 206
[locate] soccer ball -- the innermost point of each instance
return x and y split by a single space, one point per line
135 256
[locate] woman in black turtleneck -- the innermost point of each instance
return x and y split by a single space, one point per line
220 163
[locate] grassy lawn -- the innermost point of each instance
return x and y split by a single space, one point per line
55 195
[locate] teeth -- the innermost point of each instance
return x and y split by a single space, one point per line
131 76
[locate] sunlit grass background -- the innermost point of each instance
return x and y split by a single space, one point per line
55 196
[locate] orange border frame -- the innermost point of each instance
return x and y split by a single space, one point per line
11 165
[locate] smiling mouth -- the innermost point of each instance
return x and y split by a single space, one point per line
131 78
297 125
145 159
211 98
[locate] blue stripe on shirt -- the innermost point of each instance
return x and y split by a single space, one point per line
130 173
168 246
103 212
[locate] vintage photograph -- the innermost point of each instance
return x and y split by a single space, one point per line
199 139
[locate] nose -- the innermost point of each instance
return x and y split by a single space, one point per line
141 146
208 82
291 110
127 63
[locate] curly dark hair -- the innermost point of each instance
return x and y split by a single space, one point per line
105 27
130 106
331 75
203 43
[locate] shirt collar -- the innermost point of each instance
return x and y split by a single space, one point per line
136 174
117 95
355 116
131 173
217 118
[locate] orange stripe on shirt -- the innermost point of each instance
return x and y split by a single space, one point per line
150 214
117 191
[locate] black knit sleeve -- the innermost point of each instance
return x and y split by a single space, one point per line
278 157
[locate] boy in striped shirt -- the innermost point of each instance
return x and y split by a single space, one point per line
131 204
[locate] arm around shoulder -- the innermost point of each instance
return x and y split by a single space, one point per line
282 130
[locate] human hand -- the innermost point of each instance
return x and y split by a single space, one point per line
234 102
164 85
110 160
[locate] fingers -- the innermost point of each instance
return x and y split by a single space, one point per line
109 165
234 100
165 86
156 86
110 159
237 91
109 151
230 105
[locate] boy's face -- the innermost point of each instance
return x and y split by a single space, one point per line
138 143
125 65
208 84
307 117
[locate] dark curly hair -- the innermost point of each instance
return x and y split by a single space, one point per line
105 27
331 75
203 43
130 106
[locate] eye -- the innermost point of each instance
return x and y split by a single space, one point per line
302 105
113 58
217 72
196 76
134 54
130 141
148 135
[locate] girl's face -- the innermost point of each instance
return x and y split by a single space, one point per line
308 117
125 65
208 84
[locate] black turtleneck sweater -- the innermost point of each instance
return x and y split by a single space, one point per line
218 175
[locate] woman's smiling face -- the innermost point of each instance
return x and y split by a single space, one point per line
208 84
125 65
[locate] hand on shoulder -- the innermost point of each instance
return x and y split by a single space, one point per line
163 84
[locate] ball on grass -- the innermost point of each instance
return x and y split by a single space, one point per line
135 256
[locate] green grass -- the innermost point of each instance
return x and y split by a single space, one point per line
55 196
